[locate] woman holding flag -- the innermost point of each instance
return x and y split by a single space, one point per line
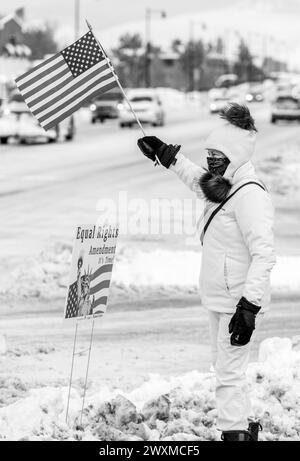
237 258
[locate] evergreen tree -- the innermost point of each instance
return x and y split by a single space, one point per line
41 41
130 60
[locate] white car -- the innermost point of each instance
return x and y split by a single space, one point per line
147 106
217 104
18 123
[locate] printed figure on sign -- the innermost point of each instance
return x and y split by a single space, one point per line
85 304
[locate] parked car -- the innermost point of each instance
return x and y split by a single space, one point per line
147 106
105 106
20 124
285 107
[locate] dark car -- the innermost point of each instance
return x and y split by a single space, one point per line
105 106
285 107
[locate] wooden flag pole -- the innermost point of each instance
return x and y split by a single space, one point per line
119 84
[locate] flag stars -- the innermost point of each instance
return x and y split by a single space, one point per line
82 55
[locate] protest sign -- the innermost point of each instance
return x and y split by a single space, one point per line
91 269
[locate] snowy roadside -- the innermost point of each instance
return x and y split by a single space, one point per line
177 408
135 271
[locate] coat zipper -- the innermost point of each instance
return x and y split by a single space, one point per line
226 275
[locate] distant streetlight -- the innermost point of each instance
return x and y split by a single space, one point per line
149 13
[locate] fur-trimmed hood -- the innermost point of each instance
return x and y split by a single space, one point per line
238 146
214 187
235 136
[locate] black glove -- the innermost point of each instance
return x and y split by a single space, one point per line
153 147
242 323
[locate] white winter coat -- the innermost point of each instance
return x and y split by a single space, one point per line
238 248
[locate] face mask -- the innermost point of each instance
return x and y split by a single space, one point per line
217 165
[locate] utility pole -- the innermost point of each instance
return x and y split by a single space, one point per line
147 48
266 53
149 12
76 19
192 56
193 72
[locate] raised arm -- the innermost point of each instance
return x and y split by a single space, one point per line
188 172
168 155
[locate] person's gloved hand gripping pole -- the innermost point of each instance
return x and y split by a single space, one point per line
153 147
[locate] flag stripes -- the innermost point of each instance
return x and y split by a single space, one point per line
63 99
100 286
42 96
74 108
59 86
101 301
100 282
41 87
42 76
63 88
45 64
102 270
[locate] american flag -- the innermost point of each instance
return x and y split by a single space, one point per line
100 281
60 85
72 302
98 293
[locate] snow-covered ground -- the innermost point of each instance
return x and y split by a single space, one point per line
174 408
47 275
45 191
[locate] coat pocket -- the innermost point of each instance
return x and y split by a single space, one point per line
212 280
235 274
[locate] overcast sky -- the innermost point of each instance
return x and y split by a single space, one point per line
104 13
263 23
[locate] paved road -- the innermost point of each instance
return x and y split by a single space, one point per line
46 190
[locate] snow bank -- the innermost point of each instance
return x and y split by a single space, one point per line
181 269
178 408
43 276
171 97
134 272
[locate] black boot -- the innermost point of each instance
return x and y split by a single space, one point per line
236 436
254 428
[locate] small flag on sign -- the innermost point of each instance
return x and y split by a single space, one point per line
60 85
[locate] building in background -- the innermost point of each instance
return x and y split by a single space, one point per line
204 76
12 36
14 54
